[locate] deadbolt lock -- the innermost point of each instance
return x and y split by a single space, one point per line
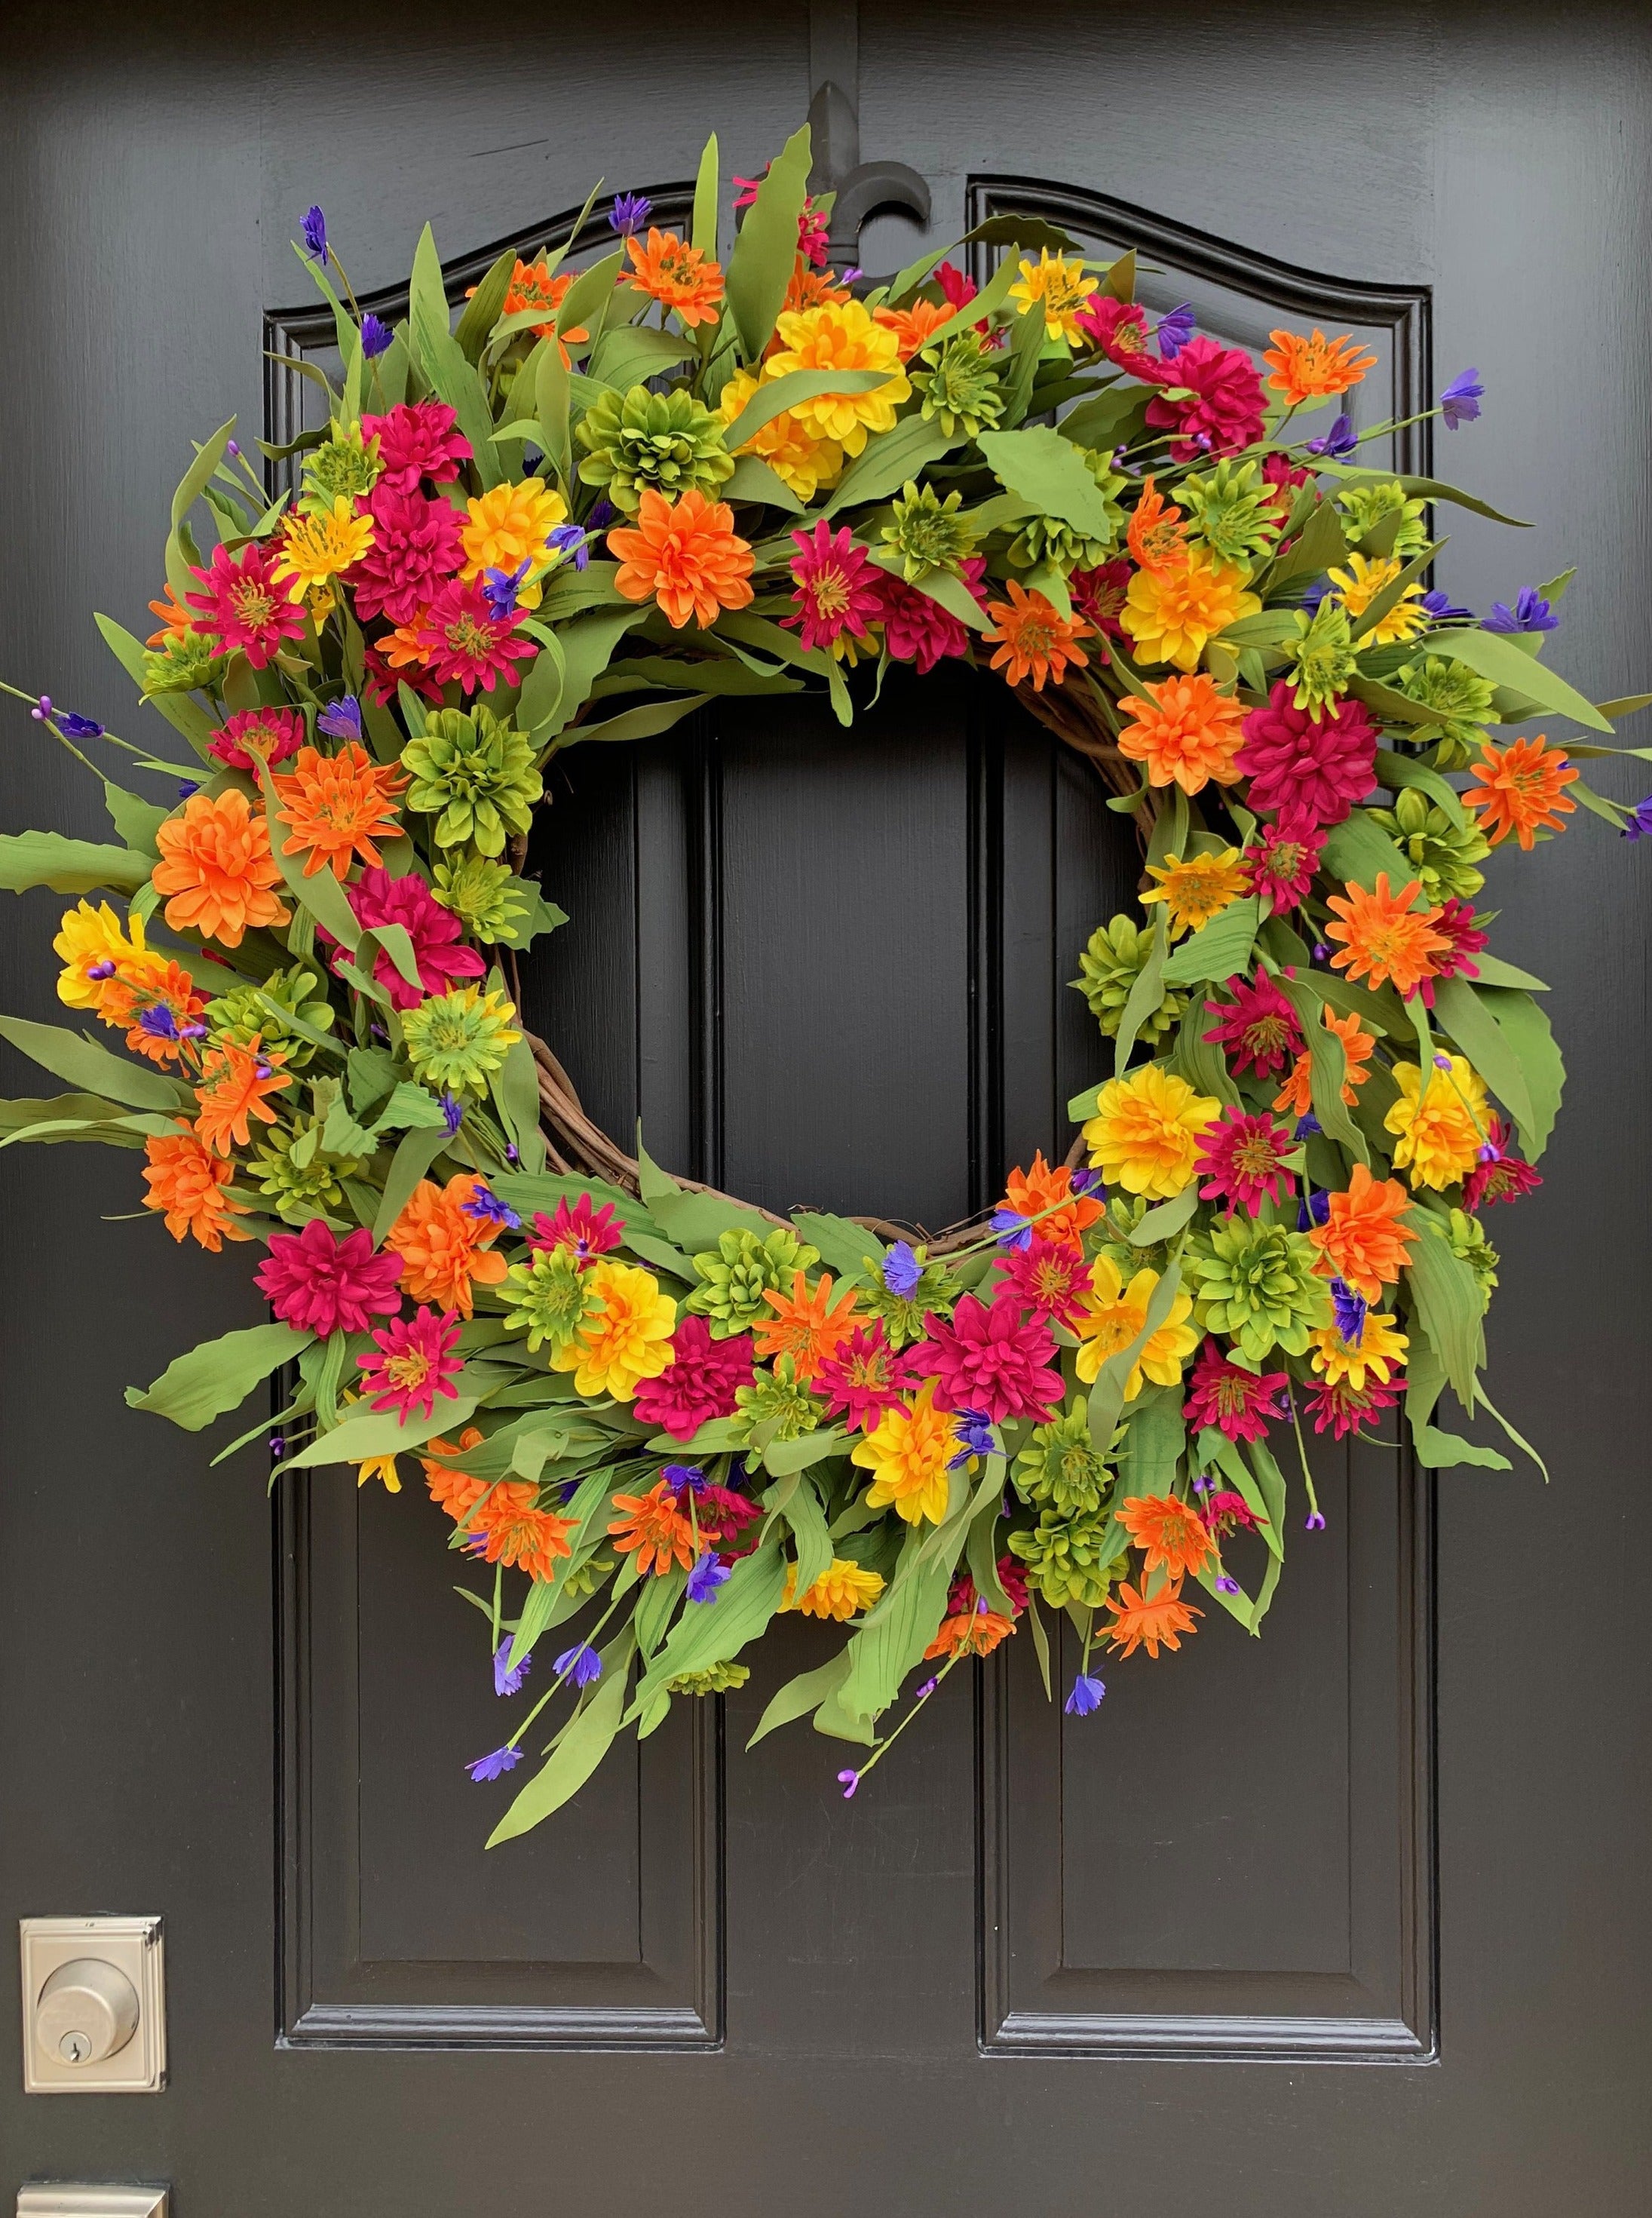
94 2005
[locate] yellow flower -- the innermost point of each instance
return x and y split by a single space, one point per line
1114 1314
908 1455
797 457
1381 1348
1199 888
380 1466
511 524
839 1592
841 335
1145 1133
1442 1123
89 939
1061 288
629 1337
1171 611
1359 584
316 548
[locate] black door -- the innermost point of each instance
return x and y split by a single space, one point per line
1147 1960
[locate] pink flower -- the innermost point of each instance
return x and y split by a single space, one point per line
1345 1407
414 1363
1305 767
318 1282
1258 1028
1284 861
465 644
701 1382
243 605
839 587
919 629
578 1227
1454 918
1499 1175
1240 1404
956 289
415 550
1225 407
863 1377
995 1360
1047 1278
1285 476
1119 329
418 440
1243 1159
1224 1509
383 679
268 734
438 956
1099 595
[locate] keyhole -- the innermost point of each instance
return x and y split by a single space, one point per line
74 2047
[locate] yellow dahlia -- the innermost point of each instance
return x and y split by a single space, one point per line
1114 1314
841 335
509 525
841 1590
796 455
1441 1119
1171 612
627 1339
908 1455
1145 1133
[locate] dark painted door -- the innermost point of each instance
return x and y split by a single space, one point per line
1151 1959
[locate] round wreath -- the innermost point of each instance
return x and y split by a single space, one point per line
669 1415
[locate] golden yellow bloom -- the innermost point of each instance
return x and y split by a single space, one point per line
1381 1349
796 455
629 1339
1441 1118
1145 1133
511 524
1197 889
908 1455
839 1592
314 549
841 335
1359 585
1171 612
1112 1316
89 939
1060 287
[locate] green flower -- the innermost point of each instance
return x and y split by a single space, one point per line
927 533
734 1276
344 465
456 1041
234 1016
903 1314
1060 1465
476 776
295 1172
1468 1244
715 1679
959 384
779 1400
574 1585
1443 854
485 896
1063 1558
1048 539
1460 700
1109 967
183 665
1230 510
548 1299
1364 506
669 441
1322 656
1255 1285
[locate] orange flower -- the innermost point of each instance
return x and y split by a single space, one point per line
1031 1192
337 804
1138 1622
1038 641
1173 1537
443 1248
655 1525
1154 537
975 1631
455 1492
234 1081
1521 791
1186 732
1312 368
805 1326
164 993
1297 1092
678 276
686 554
911 326
1385 939
1171 612
1363 1241
175 620
532 286
217 868
808 288
515 1532
187 1180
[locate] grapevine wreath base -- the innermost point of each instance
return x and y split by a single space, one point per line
656 1418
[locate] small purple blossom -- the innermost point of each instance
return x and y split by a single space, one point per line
376 336
679 1475
503 1759
1316 1210
1085 1182
1175 330
571 539
629 213
341 719
187 786
849 1780
582 1665
512 1153
505 1680
277 1447
1225 1585
923 1692
159 1022
1321 953
1307 1127
1441 606
1338 443
706 1577
233 448
485 1204
1442 1063
453 1112
1530 612
1314 594
314 230
1086 1697
1349 1310
501 587
1315 1522
975 1438
1013 1229
901 1269
75 728
1460 402
100 971
1638 827
603 513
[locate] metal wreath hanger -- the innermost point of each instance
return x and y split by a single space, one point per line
861 189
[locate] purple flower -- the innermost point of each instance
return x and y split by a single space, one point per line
706 1577
232 447
571 539
849 1780
1175 330
376 336
1349 1309
1639 825
341 719
314 228
1313 594
100 971
453 1111
924 1692
77 728
1086 1181
901 1269
629 213
187 786
500 588
485 1204
603 513
1086 1696
1441 606
159 1022
1460 402
975 1434
506 1680
680 1475
1013 1229
1336 443
277 1447
1307 1127
1316 1210
1314 1520
581 1664
503 1759
1530 612
1225 1585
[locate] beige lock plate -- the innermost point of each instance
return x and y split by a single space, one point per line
70 2202
80 1976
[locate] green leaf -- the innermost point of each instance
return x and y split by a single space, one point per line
1496 658
485 307
381 1433
890 1644
68 866
1165 1222
550 399
1420 489
782 1458
703 235
1099 420
1447 1296
1328 1069
541 690
1396 770
220 1374
630 354
754 480
760 267
587 645
136 819
1461 1013
516 1095
184 714
885 462
584 1741
775 397
1040 466
802 1694
1359 850
1147 992
192 486
589 295
1218 951
1154 1442
85 1064
412 1158
454 379
844 1246
1440 1451
991 297
1527 1032
322 894
711 1632
645 723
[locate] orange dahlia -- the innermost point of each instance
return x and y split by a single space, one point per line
678 276
805 1326
686 554
1384 938
1155 537
1173 1537
810 288
235 1081
974 1632
336 805
1313 368
1036 641
1047 1196
1296 1095
1185 732
1521 791
187 1181
913 326
656 1528
1172 611
1138 1622
443 1248
1362 1240
217 871
455 1492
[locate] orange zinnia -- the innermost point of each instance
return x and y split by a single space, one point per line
686 554
187 1180
1172 1537
1037 640
1186 732
163 993
176 620
1140 1623
455 1492
1154 537
655 1525
976 1632
805 1325
911 326
1521 789
513 1531
809 289
234 1080
1030 1193
1363 1242
1296 1095
1385 939
1312 368
336 805
442 1247
678 276
532 286
217 868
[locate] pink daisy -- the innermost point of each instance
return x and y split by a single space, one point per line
839 587
1224 406
318 1282
243 605
439 957
919 629
863 1377
1099 595
588 1233
1499 1175
1308 767
1049 1278
414 1363
1455 919
1258 1028
418 439
1118 327
1242 1160
465 643
415 550
270 734
701 1383
1345 1407
1283 863
1240 1404
998 1361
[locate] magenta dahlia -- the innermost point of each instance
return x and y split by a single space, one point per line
439 956
589 1232
1240 1404
1306 768
838 587
1099 595
1454 919
1258 1028
1223 406
919 629
415 550
1242 1160
414 1363
997 1361
418 439
701 1382
1499 1175
863 1377
318 1282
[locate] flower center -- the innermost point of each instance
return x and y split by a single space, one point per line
1254 1155
253 606
408 1369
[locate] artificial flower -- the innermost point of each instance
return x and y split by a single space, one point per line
1378 1352
795 451
186 1182
1282 862
1296 1095
1035 639
685 555
1255 1284
457 1041
1258 1028
257 735
509 525
1243 1161
1145 1133
534 286
338 806
242 605
838 589
415 550
842 1591
1216 405
681 278
474 773
1239 1403
807 1324
913 326
1155 536
841 335
1057 290
508 1528
1141 1621
974 1630
586 1231
317 1283
701 1383
1499 1174
997 1360
1359 585
1441 1120
1119 328
315 549
1384 939
442 1248
1308 769
92 945
908 1455
1521 791
627 1339
547 1298
434 933
1314 368
1114 1317
917 628
216 871
417 440
158 1005
1362 1240
1341 1407
465 643
414 1362
1195 888
1170 1534
735 1275
1048 1199
235 1082
1050 1281
1171 614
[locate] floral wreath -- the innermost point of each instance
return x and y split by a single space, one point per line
602 500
